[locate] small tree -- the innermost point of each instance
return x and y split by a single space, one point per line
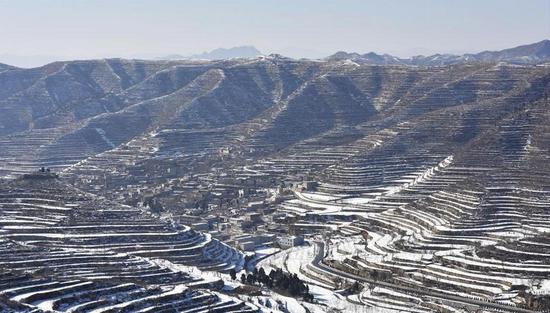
262 277
233 274
243 278
250 279
261 271
272 274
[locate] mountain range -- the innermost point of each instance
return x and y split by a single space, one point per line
533 53
65 112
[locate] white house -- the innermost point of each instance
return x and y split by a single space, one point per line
290 241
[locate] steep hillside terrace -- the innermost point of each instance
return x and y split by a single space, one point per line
81 249
477 242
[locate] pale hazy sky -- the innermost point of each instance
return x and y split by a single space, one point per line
69 29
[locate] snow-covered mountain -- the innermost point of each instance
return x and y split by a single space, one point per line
367 58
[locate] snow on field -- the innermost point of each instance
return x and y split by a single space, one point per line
259 254
290 260
296 259
325 300
178 289
499 266
361 200
543 288
378 242
69 286
291 304
262 251
95 235
316 196
382 290
346 247
205 276
275 261
328 208
330 299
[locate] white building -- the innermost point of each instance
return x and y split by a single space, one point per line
290 241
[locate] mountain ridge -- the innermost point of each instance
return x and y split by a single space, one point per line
534 53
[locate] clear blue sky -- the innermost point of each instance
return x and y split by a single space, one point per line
308 28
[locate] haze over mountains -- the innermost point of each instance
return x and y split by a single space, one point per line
530 53
219 54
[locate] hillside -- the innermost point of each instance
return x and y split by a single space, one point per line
428 183
66 112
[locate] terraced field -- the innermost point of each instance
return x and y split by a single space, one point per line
430 185
471 224
67 251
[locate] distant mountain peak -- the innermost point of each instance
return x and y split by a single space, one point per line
229 53
219 54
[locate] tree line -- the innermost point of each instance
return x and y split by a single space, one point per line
285 283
